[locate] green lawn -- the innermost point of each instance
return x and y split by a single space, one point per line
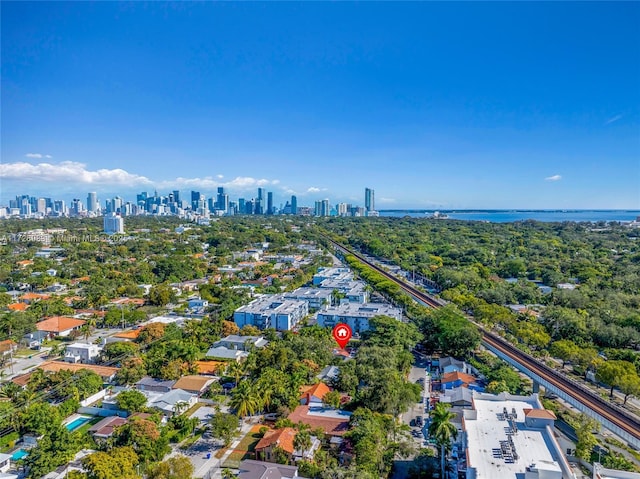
244 449
85 427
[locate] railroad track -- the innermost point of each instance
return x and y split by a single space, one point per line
615 415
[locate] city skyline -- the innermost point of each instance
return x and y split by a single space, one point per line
440 106
195 206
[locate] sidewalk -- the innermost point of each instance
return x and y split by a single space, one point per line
212 469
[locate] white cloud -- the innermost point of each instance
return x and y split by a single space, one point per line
553 178
613 119
386 200
48 156
69 172
33 155
313 189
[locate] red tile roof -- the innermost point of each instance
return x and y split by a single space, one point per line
331 426
317 390
280 437
105 372
7 345
58 324
132 334
32 296
105 427
17 306
457 376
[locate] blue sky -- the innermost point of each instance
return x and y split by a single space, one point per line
434 105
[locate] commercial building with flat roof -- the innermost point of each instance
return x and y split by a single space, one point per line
271 311
511 437
356 315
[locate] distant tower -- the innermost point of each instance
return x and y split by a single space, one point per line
195 198
369 200
270 203
92 202
294 205
176 197
260 201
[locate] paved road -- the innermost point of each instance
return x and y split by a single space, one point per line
401 467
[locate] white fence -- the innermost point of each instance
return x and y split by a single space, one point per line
91 399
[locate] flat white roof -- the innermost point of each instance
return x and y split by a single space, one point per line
486 431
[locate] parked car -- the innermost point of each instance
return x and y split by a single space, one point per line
419 422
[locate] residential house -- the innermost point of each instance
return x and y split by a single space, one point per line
330 373
149 384
7 347
35 339
59 325
210 368
250 469
197 303
136 302
29 298
5 463
104 429
17 306
460 397
226 354
52 272
314 395
284 440
334 422
456 379
175 402
242 343
450 365
107 373
194 384
82 353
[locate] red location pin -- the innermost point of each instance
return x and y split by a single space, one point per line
342 334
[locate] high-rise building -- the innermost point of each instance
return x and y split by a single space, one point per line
141 198
322 208
76 207
92 202
260 201
113 224
59 207
342 209
241 207
270 203
41 205
195 197
294 205
369 200
176 197
222 200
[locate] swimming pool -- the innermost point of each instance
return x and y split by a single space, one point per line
19 454
77 422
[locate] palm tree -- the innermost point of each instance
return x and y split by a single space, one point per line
180 407
227 474
442 430
244 400
265 391
236 370
302 441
